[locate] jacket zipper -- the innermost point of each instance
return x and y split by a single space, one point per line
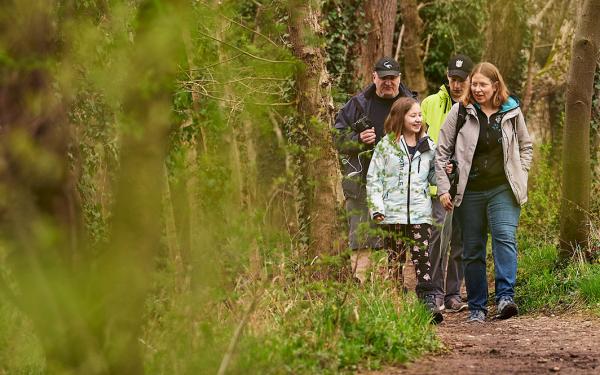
408 185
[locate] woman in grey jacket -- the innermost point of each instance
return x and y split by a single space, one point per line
494 151
398 194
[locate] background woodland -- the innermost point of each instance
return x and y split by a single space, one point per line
170 194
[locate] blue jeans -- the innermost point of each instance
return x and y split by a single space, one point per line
497 210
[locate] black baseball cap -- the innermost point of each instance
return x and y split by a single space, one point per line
460 66
387 67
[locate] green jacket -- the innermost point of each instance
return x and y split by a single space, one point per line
435 108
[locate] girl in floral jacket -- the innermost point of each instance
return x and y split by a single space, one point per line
398 181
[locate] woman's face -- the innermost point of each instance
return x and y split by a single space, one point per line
412 120
483 89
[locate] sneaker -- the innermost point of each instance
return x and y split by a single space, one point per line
476 316
507 308
456 305
433 308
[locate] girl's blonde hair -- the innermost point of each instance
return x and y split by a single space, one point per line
394 123
489 71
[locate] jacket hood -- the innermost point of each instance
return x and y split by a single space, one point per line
424 144
511 103
446 99
444 91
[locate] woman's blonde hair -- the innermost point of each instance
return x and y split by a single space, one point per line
489 71
394 123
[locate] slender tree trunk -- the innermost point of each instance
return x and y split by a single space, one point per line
576 184
550 80
531 66
504 37
314 109
380 15
413 53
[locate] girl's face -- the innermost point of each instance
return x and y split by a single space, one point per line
412 120
483 89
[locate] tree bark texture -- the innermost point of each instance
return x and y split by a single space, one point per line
320 166
380 15
413 52
576 184
504 38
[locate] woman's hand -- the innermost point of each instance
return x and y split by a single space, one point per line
446 201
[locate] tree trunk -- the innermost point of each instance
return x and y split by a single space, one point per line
413 53
504 38
87 307
380 15
575 203
40 219
549 83
535 23
320 167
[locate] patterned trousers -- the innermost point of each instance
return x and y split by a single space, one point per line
414 237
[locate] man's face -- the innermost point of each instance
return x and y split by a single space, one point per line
386 87
457 86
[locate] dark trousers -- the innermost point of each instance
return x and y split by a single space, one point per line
413 237
446 264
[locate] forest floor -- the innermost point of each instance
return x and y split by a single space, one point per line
530 344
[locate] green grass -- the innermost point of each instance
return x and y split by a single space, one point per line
323 330
20 350
545 284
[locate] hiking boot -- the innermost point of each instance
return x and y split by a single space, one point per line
433 308
507 308
476 316
456 305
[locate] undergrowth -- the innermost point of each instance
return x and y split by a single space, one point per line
546 283
330 327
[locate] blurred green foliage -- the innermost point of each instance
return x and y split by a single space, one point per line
453 27
229 243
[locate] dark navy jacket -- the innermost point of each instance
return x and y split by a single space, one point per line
348 144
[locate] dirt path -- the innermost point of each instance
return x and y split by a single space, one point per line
524 345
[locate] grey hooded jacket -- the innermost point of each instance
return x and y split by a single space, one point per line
516 145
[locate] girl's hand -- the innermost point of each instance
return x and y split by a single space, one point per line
446 201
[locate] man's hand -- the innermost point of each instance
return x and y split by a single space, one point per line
368 136
446 201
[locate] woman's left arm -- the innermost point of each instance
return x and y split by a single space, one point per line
525 144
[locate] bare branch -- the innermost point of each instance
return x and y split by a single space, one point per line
249 29
399 45
245 52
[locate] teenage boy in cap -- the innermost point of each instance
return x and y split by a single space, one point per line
446 269
359 126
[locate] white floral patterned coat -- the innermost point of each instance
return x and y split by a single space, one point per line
398 186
